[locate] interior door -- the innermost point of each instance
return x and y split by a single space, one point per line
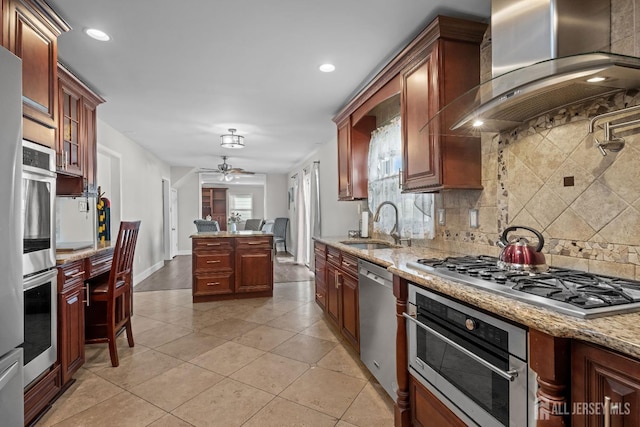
173 214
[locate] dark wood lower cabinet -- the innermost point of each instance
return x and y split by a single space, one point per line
605 388
337 291
70 318
427 410
41 395
350 325
232 266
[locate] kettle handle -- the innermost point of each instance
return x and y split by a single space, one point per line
503 237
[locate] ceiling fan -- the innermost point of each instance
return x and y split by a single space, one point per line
226 171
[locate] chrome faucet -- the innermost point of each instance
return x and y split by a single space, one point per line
394 231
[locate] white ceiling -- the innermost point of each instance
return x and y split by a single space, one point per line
177 75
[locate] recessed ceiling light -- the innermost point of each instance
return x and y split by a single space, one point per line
477 123
596 79
327 68
97 34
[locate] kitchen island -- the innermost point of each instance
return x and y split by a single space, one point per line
594 358
229 265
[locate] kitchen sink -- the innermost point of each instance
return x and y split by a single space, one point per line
368 245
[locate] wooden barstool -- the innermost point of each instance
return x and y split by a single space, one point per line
117 316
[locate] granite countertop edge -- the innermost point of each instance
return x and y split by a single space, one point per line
618 332
222 234
65 257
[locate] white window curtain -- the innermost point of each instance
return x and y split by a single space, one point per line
415 211
315 209
300 219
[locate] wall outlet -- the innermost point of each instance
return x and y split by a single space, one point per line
474 220
83 206
441 217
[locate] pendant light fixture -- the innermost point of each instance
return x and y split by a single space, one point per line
231 140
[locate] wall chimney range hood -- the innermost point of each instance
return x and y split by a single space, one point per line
546 54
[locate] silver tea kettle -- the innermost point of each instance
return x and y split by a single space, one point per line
518 255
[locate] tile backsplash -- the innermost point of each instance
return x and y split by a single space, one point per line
549 175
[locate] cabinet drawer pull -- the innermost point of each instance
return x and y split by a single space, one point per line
346 264
78 274
330 256
319 296
213 244
256 243
213 262
213 283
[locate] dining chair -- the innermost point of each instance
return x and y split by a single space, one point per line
280 232
114 292
253 224
204 225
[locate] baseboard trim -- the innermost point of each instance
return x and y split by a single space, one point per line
148 272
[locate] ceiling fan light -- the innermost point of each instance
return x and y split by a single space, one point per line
231 140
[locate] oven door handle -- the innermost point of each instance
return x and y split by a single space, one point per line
507 375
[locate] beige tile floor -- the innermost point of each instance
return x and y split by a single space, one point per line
259 362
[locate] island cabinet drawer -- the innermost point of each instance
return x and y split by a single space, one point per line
349 264
213 261
211 244
262 242
320 250
213 284
71 275
333 256
98 263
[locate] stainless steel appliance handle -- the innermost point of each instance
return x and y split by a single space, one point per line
507 375
8 373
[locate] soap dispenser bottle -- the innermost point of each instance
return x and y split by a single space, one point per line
364 223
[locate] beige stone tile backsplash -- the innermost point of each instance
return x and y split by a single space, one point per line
591 225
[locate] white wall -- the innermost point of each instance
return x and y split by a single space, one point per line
141 176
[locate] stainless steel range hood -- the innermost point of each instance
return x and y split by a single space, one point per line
546 54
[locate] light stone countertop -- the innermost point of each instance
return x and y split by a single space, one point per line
65 257
618 332
219 234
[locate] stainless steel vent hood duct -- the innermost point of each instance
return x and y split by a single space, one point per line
546 54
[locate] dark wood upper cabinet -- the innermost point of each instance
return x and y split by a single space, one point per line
30 30
440 64
435 158
76 146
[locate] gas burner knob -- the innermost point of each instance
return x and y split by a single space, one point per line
462 268
485 274
474 272
471 324
451 266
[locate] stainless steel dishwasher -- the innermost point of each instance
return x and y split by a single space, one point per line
378 324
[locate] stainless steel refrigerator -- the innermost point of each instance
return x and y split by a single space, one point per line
11 290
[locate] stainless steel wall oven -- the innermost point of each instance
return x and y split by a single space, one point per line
38 259
38 197
40 327
475 362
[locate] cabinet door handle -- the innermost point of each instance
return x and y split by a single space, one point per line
86 295
78 274
213 283
213 261
607 411
400 179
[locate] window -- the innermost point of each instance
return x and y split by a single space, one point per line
242 204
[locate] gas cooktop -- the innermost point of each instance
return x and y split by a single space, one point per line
573 292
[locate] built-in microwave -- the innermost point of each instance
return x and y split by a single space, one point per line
38 213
